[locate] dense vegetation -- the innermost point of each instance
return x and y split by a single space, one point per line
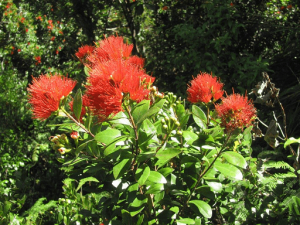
237 41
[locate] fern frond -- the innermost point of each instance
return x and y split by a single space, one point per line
277 165
38 208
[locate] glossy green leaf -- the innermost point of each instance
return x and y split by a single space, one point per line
166 155
185 221
140 110
291 141
189 136
203 208
77 104
121 168
215 186
199 117
153 110
107 136
155 188
156 177
82 146
120 118
142 174
235 159
84 180
111 148
137 205
228 170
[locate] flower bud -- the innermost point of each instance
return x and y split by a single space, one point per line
163 121
74 135
177 123
165 126
179 132
62 150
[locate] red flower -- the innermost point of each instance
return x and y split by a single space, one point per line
282 8
165 8
60 32
39 18
203 88
57 52
104 98
137 61
22 20
111 48
26 30
236 111
38 59
19 50
45 94
231 4
289 6
52 38
84 51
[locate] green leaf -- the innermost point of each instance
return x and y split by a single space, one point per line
107 136
153 110
235 159
137 205
199 117
77 104
189 136
120 118
111 147
215 186
228 170
291 141
155 189
140 110
121 168
142 175
84 180
166 155
156 177
203 208
185 221
82 146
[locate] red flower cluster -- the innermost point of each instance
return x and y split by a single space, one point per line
50 22
114 74
203 88
45 94
52 38
84 51
38 59
236 111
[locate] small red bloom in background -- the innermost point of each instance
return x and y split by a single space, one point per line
45 94
231 4
84 51
28 43
165 8
289 6
282 8
38 60
57 52
50 27
37 47
11 52
19 50
60 32
203 88
39 18
52 38
22 20
236 111
26 30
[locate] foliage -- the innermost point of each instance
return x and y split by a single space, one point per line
235 40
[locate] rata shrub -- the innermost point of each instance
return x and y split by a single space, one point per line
137 156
